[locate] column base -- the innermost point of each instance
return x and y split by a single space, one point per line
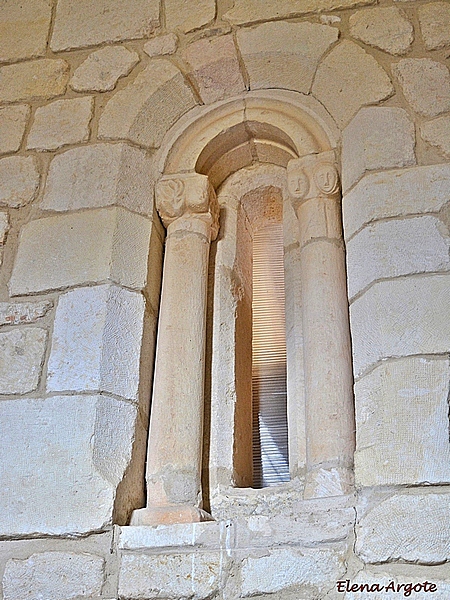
169 515
324 483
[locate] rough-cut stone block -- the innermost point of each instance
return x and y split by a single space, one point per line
17 313
347 79
53 575
402 428
271 62
103 68
60 123
19 181
21 358
23 28
146 108
410 527
437 133
90 22
425 84
179 535
377 138
162 45
77 248
100 175
434 18
394 194
34 80
189 16
385 28
181 576
13 120
407 316
96 342
393 248
66 485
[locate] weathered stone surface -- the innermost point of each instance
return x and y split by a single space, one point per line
402 429
384 27
393 248
377 138
215 67
33 80
410 527
437 133
271 62
208 534
189 16
434 18
23 28
13 120
53 575
17 313
95 328
407 316
72 249
67 484
145 109
425 84
90 22
161 45
19 181
21 358
103 68
394 194
100 175
60 123
349 78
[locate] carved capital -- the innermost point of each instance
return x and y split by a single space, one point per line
187 195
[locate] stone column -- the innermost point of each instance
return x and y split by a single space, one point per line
188 207
313 185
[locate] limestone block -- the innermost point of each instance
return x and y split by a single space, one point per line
67 485
76 248
437 133
209 534
33 80
407 316
144 110
402 429
162 45
53 575
24 28
17 313
13 120
412 527
103 68
180 576
385 28
377 138
215 67
19 181
396 193
189 16
425 84
100 175
91 22
393 248
270 62
60 123
21 358
97 341
434 18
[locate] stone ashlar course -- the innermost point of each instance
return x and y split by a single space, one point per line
40 79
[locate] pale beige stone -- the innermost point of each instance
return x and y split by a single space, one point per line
412 527
17 313
434 19
13 120
19 181
272 62
377 138
24 28
402 429
90 22
21 358
383 27
437 133
60 123
33 80
102 69
189 16
162 45
425 84
203 536
144 110
347 79
53 575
